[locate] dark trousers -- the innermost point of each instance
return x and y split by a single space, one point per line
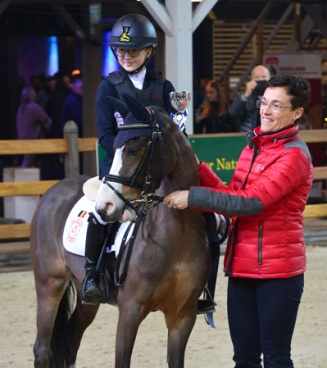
261 317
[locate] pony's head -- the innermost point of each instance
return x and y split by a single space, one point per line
138 163
149 147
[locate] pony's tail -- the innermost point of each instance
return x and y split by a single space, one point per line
61 349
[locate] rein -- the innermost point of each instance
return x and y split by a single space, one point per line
119 278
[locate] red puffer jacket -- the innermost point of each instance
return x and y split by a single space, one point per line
266 198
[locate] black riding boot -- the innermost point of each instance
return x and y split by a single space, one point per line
93 246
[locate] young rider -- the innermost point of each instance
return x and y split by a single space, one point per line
133 41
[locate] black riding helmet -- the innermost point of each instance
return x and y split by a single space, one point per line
133 31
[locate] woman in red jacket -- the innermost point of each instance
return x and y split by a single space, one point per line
265 256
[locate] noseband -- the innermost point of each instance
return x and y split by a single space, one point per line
149 200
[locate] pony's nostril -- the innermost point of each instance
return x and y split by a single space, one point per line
108 207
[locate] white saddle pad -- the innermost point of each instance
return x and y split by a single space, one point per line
76 225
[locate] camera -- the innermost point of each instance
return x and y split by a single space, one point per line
260 88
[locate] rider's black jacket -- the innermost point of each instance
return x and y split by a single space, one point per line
155 91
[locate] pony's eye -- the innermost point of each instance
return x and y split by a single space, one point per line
133 151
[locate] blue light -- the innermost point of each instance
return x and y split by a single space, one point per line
109 62
53 63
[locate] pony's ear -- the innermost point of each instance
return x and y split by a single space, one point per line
119 106
139 111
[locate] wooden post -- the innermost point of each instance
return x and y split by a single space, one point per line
72 156
297 22
260 38
226 87
92 76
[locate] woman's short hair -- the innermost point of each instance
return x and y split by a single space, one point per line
298 88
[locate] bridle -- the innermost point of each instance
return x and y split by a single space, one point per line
149 200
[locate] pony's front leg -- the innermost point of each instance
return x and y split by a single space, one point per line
128 324
179 330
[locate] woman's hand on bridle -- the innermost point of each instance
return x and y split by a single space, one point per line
178 199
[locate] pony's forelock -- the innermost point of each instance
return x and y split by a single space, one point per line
129 129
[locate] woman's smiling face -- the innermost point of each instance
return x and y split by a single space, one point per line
276 111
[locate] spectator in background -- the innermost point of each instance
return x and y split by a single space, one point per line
244 106
212 116
66 83
38 83
55 104
21 83
31 122
73 107
50 84
199 92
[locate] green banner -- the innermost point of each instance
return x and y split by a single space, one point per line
220 152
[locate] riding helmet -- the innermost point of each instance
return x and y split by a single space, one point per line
133 30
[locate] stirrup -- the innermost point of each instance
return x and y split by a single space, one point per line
104 298
87 283
206 306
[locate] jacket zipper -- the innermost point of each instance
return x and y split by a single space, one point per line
228 271
260 246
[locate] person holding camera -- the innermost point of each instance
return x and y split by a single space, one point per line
244 106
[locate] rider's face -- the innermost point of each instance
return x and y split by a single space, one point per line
131 63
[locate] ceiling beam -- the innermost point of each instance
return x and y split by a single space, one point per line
315 14
135 7
50 2
246 40
268 41
4 4
70 21
201 11
160 15
306 27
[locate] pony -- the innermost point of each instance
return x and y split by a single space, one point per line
165 265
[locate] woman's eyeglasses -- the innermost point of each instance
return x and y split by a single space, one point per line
261 104
121 52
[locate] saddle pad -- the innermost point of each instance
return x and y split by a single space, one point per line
76 226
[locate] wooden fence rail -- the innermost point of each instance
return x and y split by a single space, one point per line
71 145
